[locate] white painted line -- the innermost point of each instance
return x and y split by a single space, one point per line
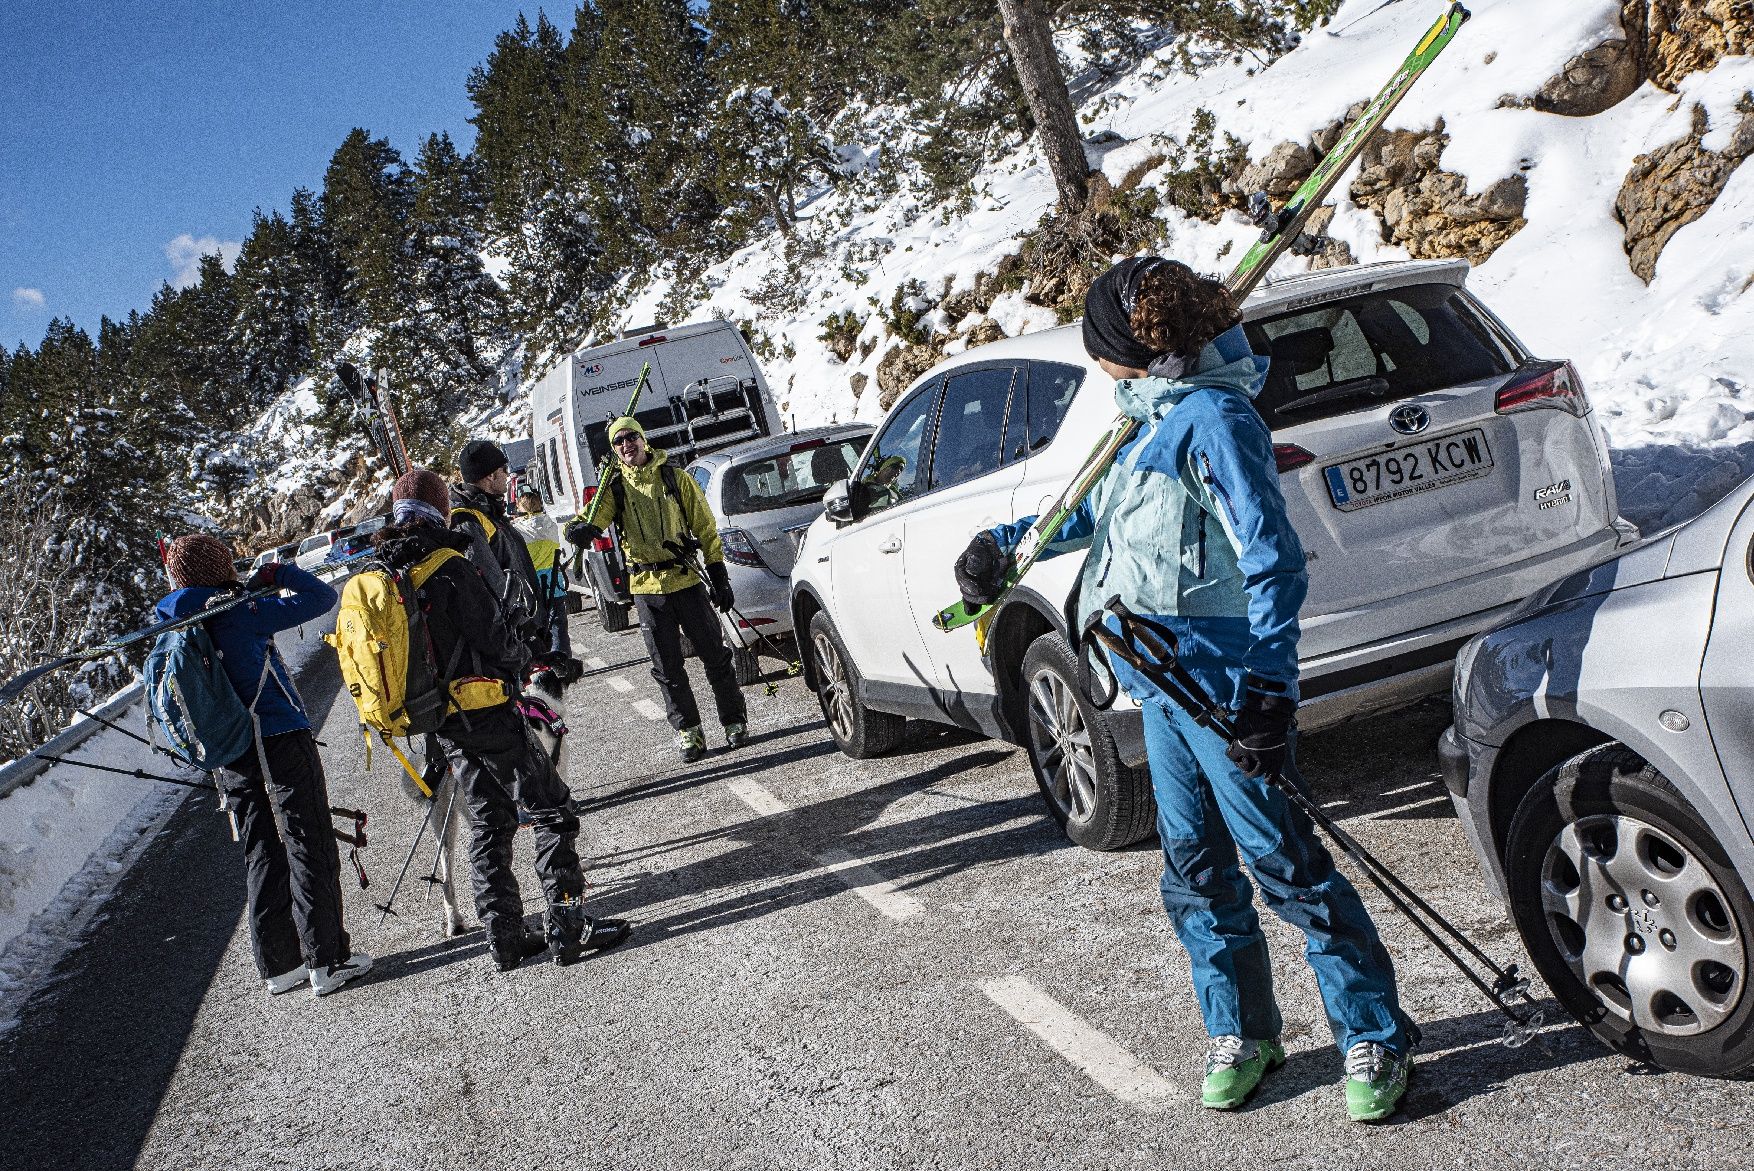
1093 1051
622 685
648 709
599 664
870 885
863 881
757 797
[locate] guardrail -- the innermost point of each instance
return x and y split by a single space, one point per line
28 767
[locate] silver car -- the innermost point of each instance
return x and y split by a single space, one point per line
765 492
1602 763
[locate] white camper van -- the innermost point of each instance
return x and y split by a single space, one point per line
705 392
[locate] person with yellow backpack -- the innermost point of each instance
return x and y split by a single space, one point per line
430 651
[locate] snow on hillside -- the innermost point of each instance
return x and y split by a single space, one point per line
1668 366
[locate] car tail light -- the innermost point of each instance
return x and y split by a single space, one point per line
655 340
603 544
739 548
806 445
1546 384
589 493
752 623
1289 456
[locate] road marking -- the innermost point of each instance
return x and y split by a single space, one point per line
648 709
621 685
599 664
1093 1051
863 881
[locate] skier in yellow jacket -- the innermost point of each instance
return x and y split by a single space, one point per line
664 519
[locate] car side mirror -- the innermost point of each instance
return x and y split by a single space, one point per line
846 502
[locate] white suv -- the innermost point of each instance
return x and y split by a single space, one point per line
1436 471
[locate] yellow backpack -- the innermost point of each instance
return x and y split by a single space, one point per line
387 659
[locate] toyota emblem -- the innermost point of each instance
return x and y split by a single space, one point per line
1409 420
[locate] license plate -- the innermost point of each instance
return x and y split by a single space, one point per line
1409 470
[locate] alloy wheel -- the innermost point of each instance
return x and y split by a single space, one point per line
836 689
1061 740
1643 925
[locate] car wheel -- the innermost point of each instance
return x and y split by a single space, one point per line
614 616
575 603
746 664
1100 802
858 731
1633 914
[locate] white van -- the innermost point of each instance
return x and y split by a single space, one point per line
705 392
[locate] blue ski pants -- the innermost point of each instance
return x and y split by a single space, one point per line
1210 816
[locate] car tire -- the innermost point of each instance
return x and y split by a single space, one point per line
1612 875
1100 802
858 731
747 665
575 603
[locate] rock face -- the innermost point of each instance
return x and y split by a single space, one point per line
1673 186
900 366
983 331
1591 82
1672 38
1427 210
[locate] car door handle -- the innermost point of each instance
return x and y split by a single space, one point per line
892 545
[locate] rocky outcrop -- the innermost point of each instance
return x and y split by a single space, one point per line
1672 38
1427 210
1669 188
983 331
1593 81
901 365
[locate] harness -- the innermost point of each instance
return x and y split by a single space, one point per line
618 489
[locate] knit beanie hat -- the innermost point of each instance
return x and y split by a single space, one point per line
480 459
200 560
426 486
625 423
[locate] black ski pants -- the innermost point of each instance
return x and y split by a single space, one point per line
499 766
292 866
663 619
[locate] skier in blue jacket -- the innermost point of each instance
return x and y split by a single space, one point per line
292 865
1189 529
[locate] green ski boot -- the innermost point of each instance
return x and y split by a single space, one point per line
1235 1067
1376 1078
691 743
736 735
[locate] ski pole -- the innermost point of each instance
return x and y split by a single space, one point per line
389 903
115 727
1164 669
209 787
439 834
690 551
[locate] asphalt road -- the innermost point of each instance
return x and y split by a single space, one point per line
837 964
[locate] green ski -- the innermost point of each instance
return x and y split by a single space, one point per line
608 463
1286 225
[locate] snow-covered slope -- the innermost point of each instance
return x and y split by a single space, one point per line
1668 366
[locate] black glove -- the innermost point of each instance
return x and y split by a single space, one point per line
263 577
980 571
718 587
1262 729
582 534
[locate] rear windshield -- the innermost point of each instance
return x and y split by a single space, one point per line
1357 353
792 477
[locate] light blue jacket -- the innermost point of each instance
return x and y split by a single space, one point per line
1189 525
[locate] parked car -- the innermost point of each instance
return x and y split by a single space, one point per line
314 549
765 493
1602 763
281 553
1436 471
356 542
705 393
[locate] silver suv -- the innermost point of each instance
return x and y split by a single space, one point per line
1437 473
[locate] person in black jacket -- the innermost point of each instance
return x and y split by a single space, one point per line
498 766
497 549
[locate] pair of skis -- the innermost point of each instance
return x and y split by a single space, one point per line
381 425
610 464
1282 230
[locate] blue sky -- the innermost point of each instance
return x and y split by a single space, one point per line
133 136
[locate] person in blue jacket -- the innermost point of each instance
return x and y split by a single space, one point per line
291 863
1189 528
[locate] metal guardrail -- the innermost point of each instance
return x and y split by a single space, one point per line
27 768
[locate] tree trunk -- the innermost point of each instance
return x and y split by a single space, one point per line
1029 35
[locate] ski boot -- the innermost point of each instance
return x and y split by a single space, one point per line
691 743
1376 1079
1234 1069
736 735
571 932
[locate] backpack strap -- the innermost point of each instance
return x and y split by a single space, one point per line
487 526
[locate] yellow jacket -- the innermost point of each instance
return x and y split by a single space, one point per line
652 529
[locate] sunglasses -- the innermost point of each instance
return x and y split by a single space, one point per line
626 437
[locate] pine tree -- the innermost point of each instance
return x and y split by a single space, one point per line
276 298
366 201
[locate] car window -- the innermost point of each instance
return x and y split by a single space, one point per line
971 424
1051 388
1357 353
701 476
892 461
791 478
316 542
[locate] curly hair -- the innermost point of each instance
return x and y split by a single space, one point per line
1177 311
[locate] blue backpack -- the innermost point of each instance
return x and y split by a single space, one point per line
191 703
